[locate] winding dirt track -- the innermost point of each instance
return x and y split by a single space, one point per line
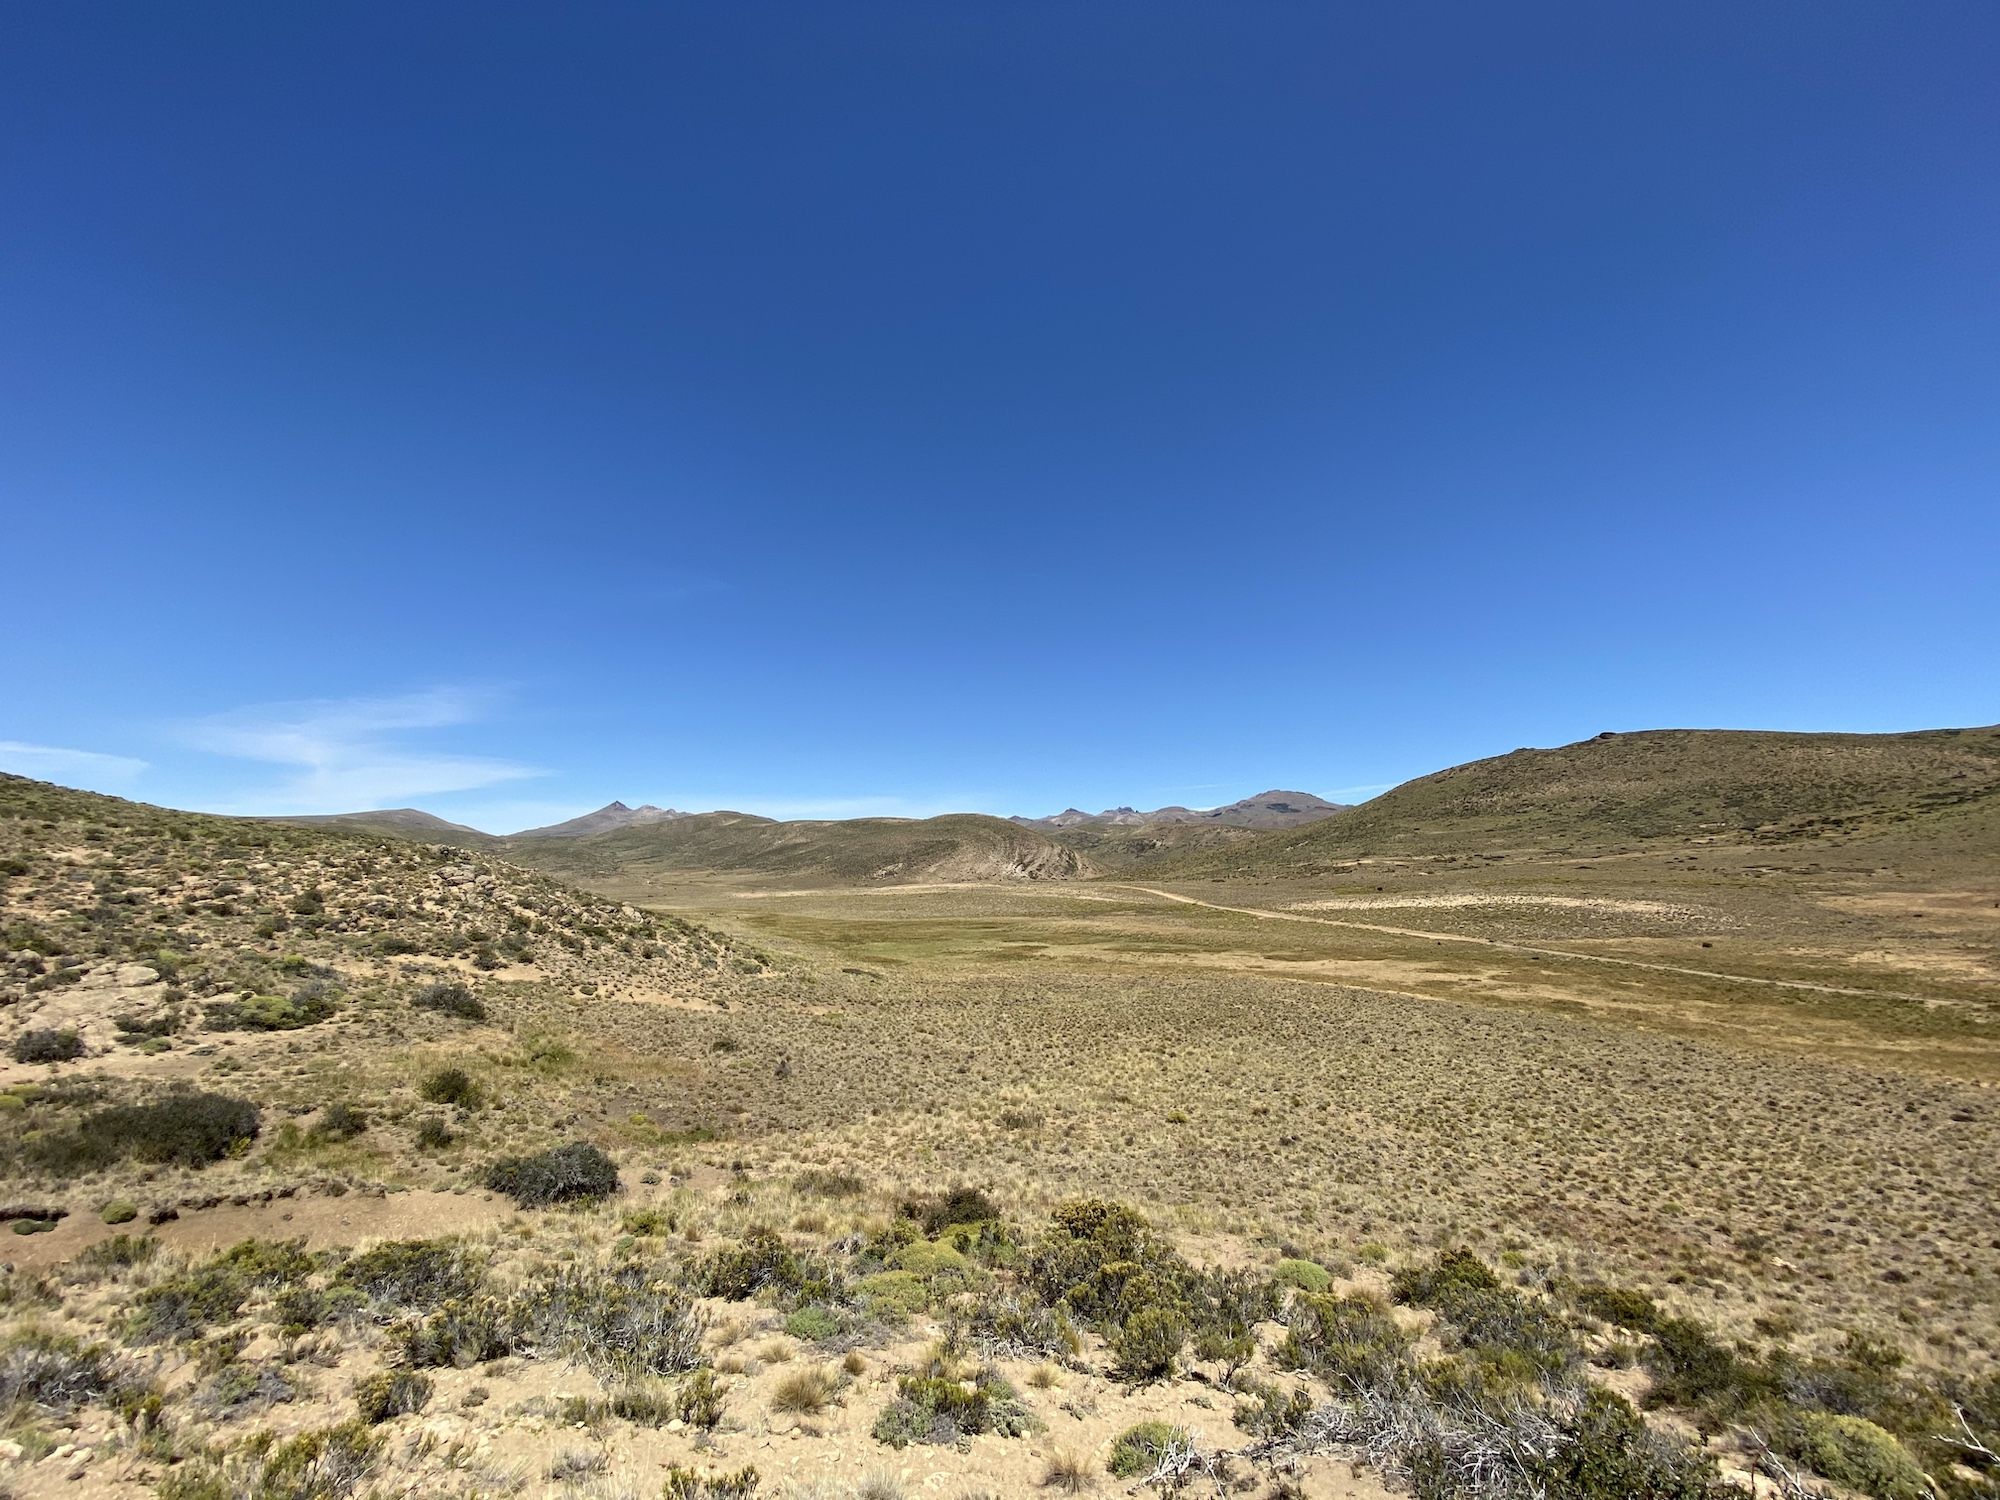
1264 914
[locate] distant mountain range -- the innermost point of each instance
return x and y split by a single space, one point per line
1610 793
1265 810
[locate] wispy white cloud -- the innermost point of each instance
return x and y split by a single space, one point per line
88 768
348 755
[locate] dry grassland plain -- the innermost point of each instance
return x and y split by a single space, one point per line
1718 1090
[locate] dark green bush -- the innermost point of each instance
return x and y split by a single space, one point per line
764 1263
1690 1369
183 1128
1608 1453
562 1175
453 1086
931 1408
1514 1336
1345 1340
340 1122
459 1335
47 1045
451 1000
1448 1279
1619 1305
186 1305
1148 1343
961 1205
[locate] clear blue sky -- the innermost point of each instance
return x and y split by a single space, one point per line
825 408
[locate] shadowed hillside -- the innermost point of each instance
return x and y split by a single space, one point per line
1625 790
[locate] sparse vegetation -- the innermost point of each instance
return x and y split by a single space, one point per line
908 1086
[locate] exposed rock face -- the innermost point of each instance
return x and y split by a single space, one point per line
89 1007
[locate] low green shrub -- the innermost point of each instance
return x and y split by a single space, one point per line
459 1334
1303 1275
562 1175
705 1484
185 1306
185 1127
1618 1305
1139 1449
960 1205
624 1320
1272 1412
451 1000
452 1086
1147 1344
309 1004
391 1393
933 1408
1515 1337
413 1275
1858 1455
815 1323
1608 1453
340 1122
1346 1341
763 1264
1691 1369
47 1045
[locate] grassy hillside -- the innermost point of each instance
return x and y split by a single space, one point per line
1133 848
141 929
959 846
1629 790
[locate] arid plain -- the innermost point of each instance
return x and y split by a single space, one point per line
1543 1140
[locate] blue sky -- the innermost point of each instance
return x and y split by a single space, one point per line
901 408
